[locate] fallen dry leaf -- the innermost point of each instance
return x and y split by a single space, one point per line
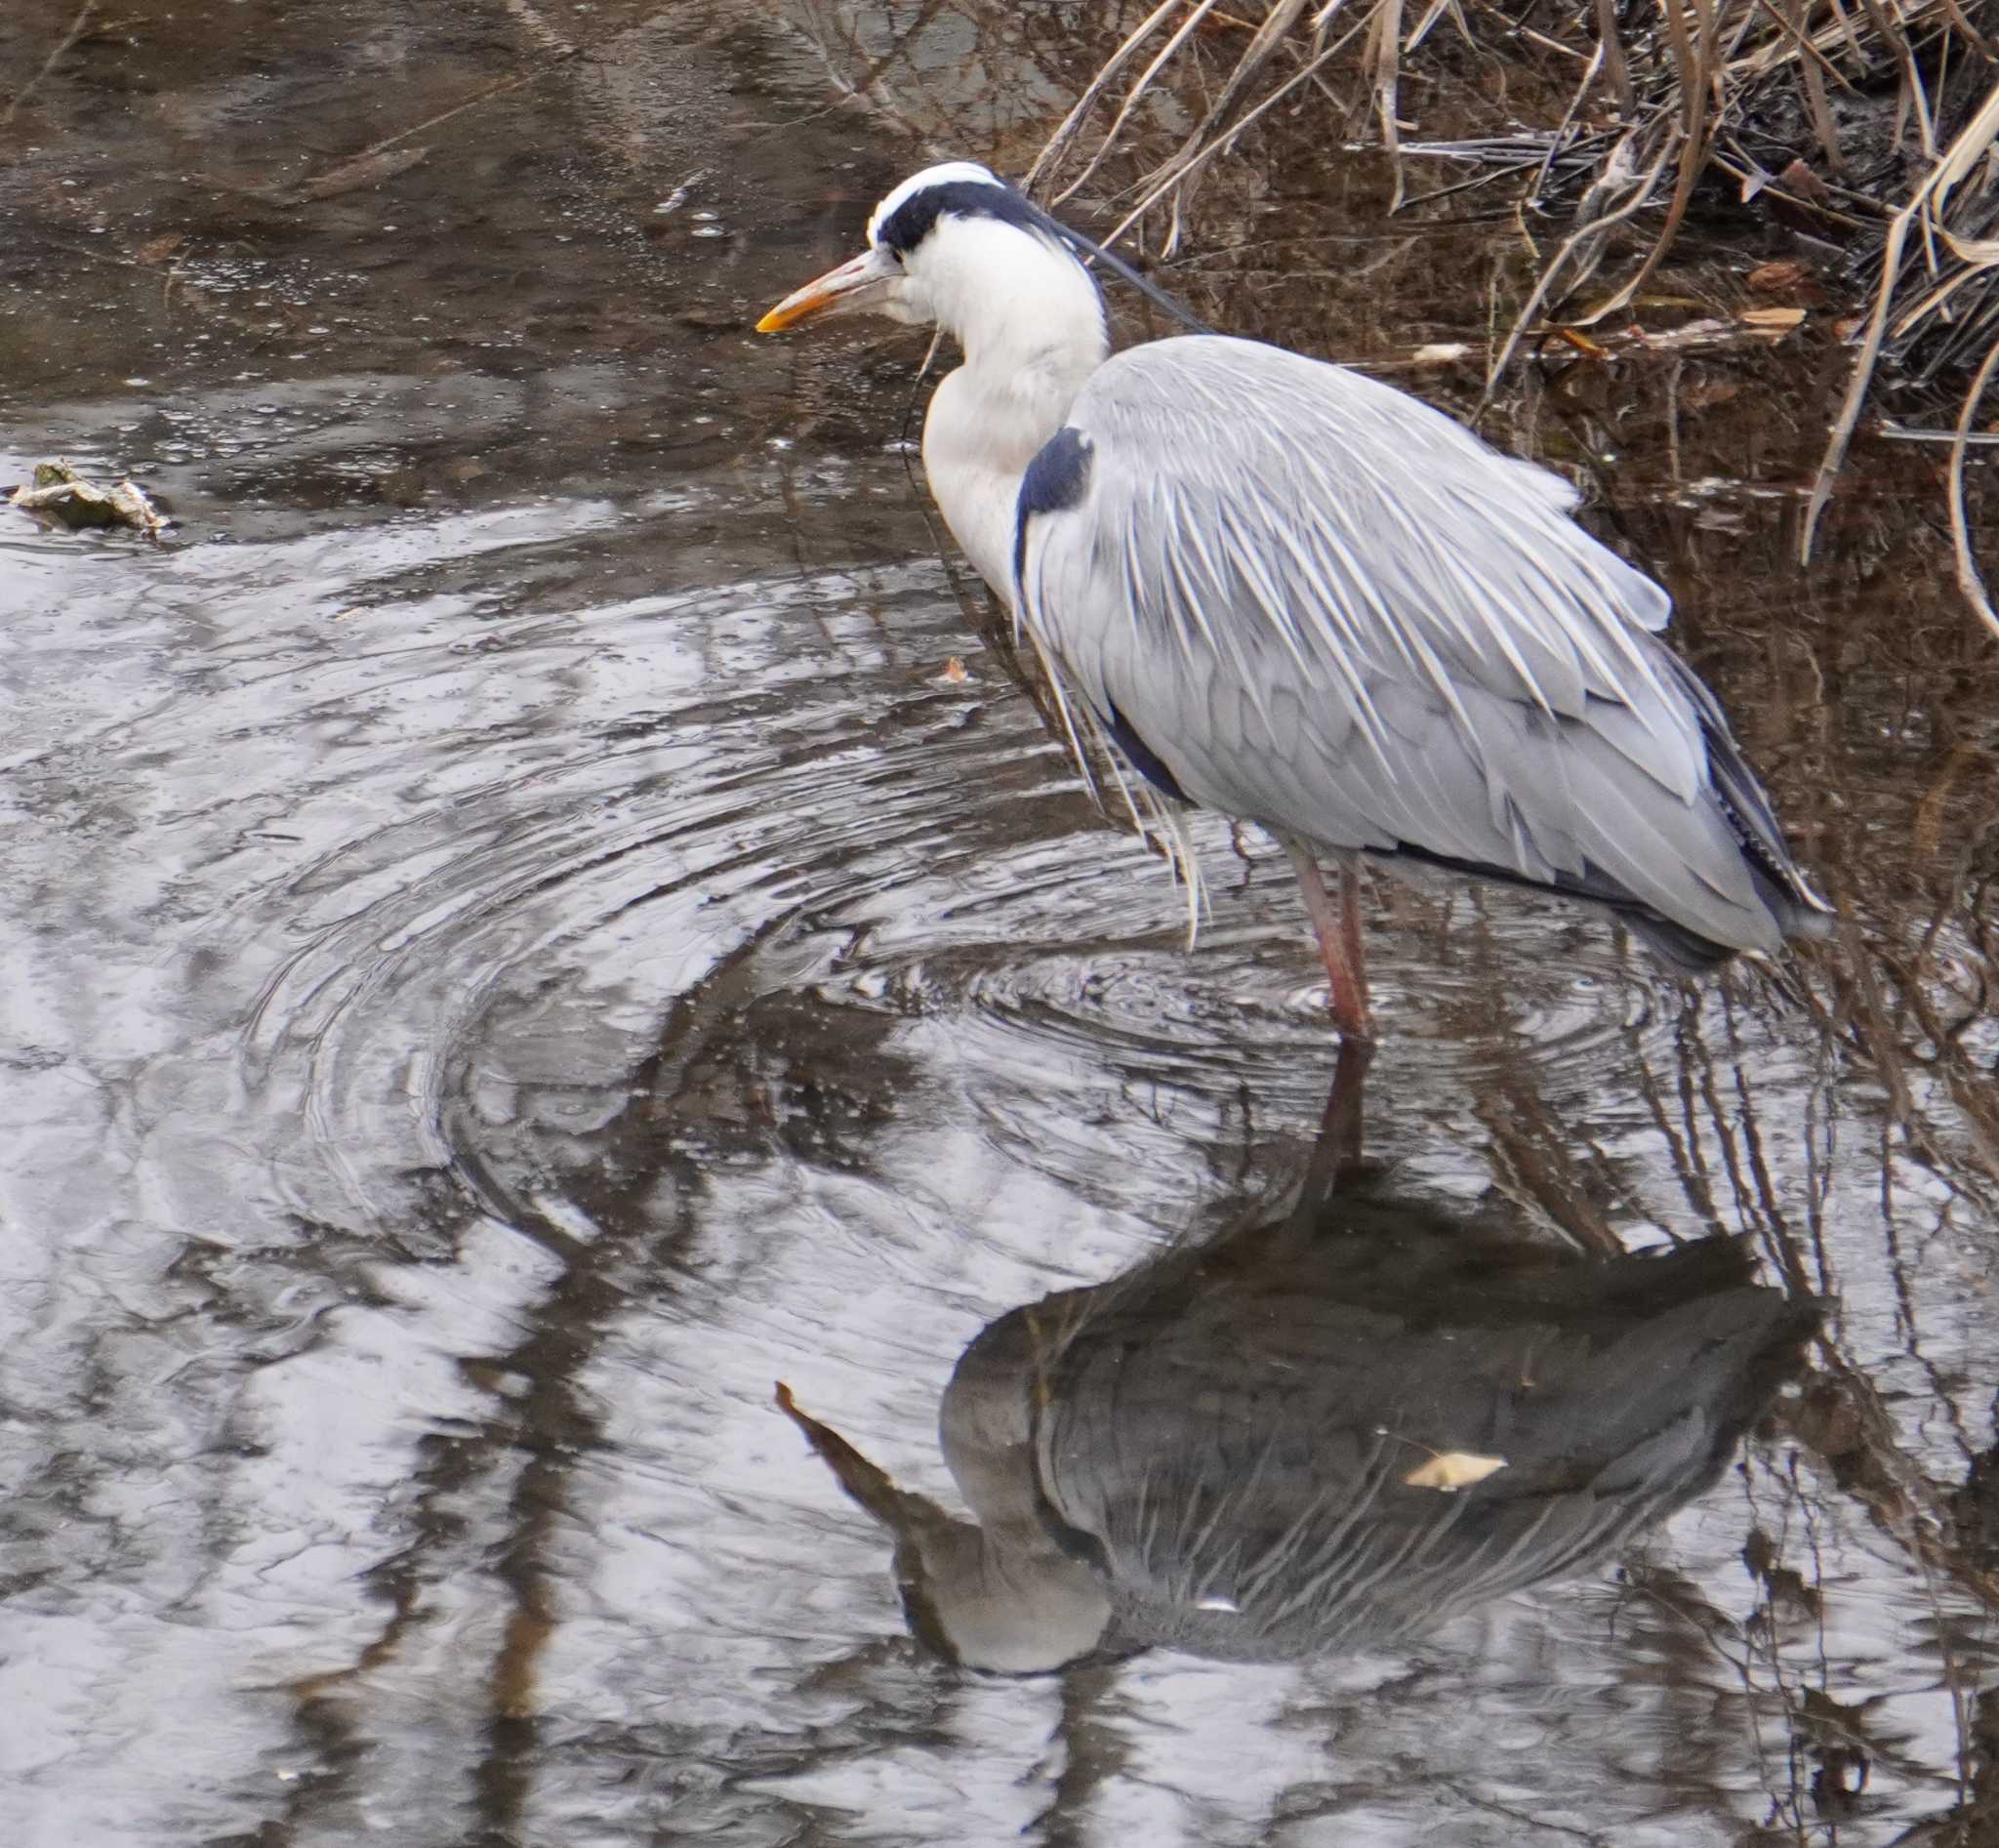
1785 276
1581 342
1699 394
1799 180
1454 1469
954 671
366 170
156 250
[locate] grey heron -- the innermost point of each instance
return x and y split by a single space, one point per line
1304 598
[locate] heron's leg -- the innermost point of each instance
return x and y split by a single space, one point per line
1336 1155
1338 929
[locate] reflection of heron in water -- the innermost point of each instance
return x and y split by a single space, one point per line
1332 1430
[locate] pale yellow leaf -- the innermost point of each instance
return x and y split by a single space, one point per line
1454 1469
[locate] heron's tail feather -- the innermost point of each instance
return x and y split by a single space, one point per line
1785 891
1683 950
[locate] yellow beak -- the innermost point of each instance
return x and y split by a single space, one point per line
856 286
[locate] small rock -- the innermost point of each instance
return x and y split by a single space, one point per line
58 493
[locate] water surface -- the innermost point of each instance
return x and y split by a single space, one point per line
534 916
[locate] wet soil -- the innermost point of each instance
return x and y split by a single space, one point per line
534 916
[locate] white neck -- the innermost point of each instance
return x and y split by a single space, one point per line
1032 325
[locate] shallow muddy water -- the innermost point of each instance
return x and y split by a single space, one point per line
533 917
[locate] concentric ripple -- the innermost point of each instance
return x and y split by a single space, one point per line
489 1028
537 846
495 863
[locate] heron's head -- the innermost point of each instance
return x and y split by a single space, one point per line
953 246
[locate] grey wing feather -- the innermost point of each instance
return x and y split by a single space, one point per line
1326 606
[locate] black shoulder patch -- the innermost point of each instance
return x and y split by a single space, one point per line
1058 476
1056 479
911 222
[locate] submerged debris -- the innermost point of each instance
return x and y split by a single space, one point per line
58 493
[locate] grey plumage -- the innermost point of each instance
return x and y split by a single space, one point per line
1324 607
1307 599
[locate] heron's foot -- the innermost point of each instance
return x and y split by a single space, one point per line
1337 927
